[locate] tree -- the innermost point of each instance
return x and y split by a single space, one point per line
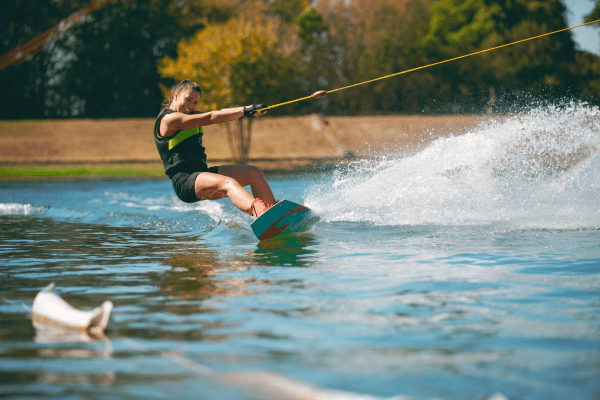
314 53
106 67
589 64
117 54
287 10
238 62
390 47
365 40
595 14
23 83
543 65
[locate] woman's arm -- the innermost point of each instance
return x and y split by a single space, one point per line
176 121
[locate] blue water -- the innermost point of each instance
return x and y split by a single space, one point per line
470 270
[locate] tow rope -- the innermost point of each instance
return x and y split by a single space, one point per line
322 93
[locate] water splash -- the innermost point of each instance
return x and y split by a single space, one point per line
211 209
119 208
539 169
19 209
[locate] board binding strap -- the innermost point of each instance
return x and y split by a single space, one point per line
284 218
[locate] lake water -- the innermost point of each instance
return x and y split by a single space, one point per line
470 270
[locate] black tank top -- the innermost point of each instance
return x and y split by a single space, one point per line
182 152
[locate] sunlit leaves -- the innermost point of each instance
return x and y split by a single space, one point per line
459 25
311 26
208 57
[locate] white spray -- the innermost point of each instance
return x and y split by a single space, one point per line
540 169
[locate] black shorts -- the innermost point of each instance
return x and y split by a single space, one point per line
184 184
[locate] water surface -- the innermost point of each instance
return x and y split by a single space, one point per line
470 270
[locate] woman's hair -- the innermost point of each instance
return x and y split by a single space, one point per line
183 85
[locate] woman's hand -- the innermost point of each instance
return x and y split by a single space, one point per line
253 110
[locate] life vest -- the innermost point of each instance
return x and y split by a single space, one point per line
181 152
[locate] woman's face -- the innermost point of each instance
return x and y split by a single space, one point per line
185 101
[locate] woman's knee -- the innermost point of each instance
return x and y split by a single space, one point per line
227 183
255 172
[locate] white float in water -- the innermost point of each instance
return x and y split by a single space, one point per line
49 309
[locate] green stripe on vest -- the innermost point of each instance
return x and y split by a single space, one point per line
182 135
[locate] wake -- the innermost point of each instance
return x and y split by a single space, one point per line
539 169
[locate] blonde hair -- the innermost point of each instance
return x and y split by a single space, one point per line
183 85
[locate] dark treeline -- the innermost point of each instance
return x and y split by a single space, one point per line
109 65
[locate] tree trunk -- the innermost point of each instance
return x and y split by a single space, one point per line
239 140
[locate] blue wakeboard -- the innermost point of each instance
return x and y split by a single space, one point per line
284 218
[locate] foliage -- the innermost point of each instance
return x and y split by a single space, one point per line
595 14
115 62
22 84
236 63
287 10
105 67
133 34
366 40
459 26
311 27
463 26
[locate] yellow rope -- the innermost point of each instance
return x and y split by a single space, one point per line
433 64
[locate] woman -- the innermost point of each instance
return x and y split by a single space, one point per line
178 137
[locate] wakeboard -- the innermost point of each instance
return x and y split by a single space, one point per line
284 218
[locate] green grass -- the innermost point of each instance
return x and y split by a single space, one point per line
87 171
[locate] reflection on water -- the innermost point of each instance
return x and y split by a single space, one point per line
293 251
51 333
159 281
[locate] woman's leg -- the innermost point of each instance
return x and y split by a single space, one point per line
209 186
250 175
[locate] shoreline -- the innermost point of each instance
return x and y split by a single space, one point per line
45 171
124 148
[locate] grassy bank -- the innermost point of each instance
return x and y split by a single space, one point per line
90 149
33 172
26 172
